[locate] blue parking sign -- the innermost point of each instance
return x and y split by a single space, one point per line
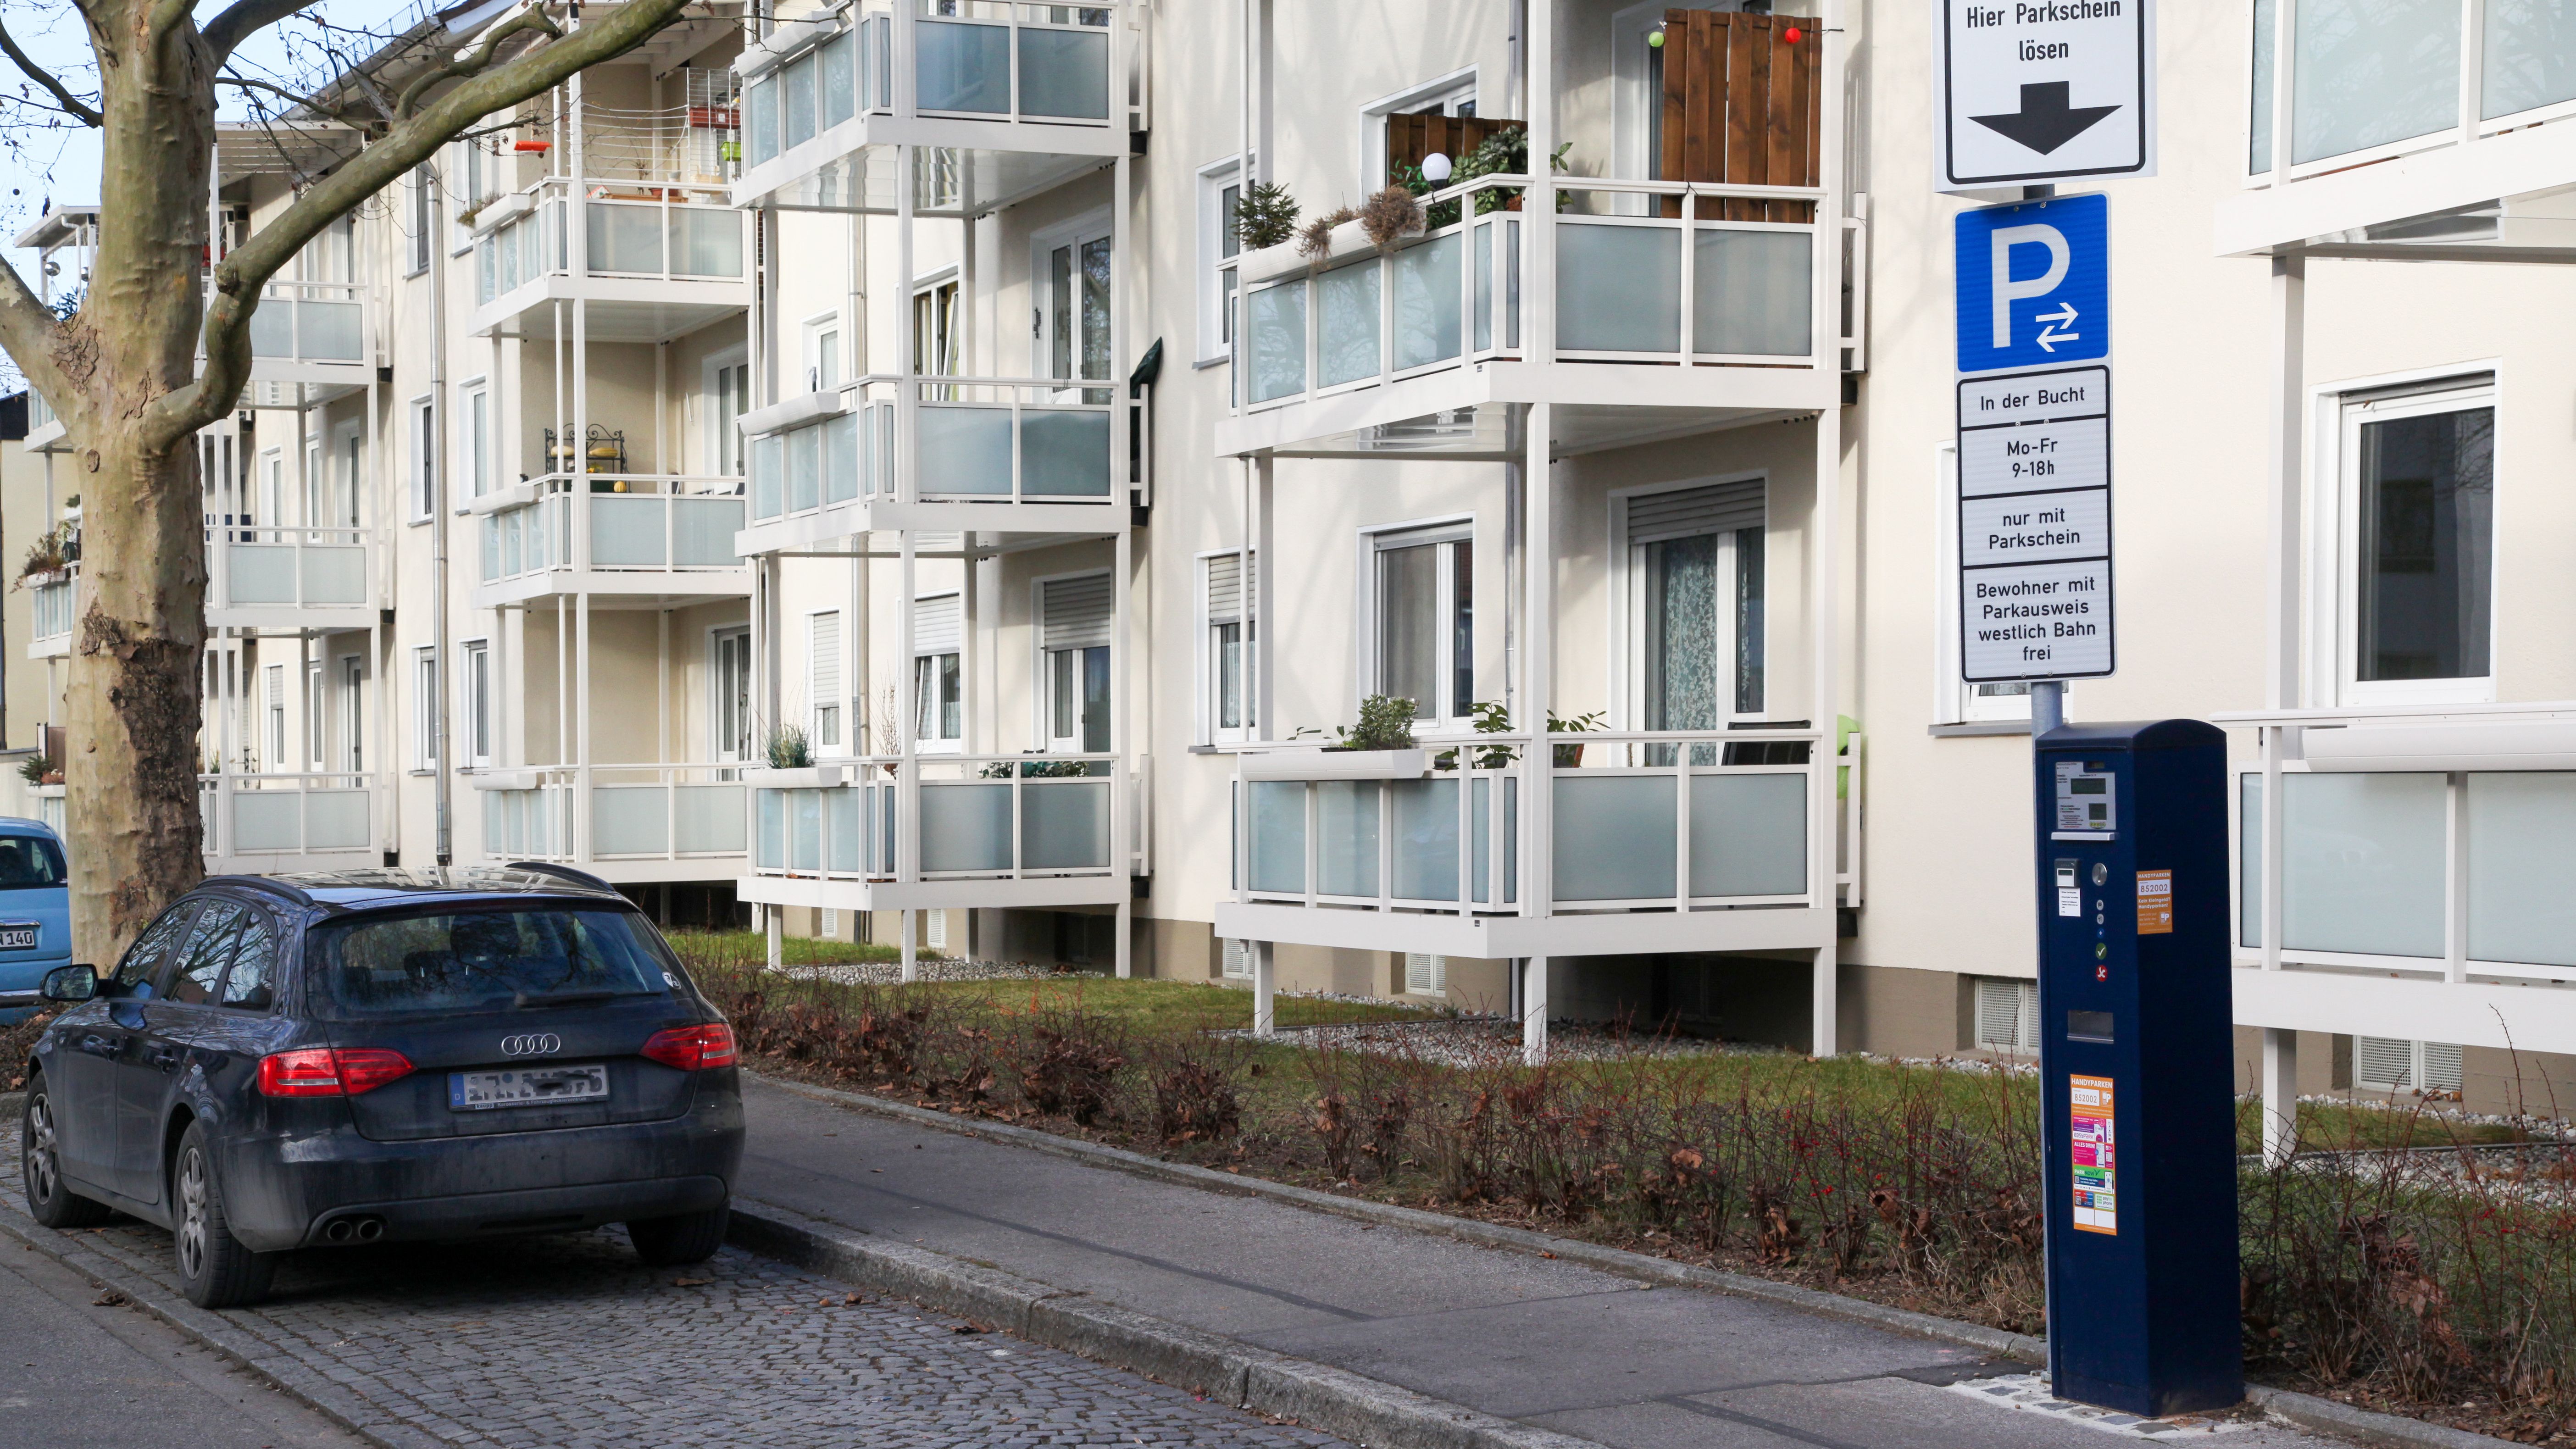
2034 283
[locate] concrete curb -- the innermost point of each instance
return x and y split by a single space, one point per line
1318 1396
2307 1411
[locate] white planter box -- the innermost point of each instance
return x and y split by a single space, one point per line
504 779
1335 764
1349 240
813 777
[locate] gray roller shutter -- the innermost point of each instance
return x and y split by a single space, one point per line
1077 612
1682 512
1225 587
937 625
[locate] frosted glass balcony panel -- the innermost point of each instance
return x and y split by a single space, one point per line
1614 837
1346 324
1064 826
2530 50
1752 293
804 469
881 851
768 477
1064 454
268 820
1748 835
272 328
491 548
2361 858
1481 845
261 573
1618 288
772 805
962 67
841 458
334 574
1426 839
839 81
1426 302
625 238
1065 74
335 820
1346 837
626 531
796 101
702 531
706 242
2372 72
331 331
841 828
2258 121
1483 302
2249 861
760 121
965 827
805 829
965 449
1274 335
1278 836
2522 850
708 818
630 819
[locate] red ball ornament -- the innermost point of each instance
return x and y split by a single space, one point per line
1791 35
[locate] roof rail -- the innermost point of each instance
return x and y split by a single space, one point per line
564 872
294 893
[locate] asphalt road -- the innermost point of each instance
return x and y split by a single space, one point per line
75 1373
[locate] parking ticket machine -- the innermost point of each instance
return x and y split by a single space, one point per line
2138 1105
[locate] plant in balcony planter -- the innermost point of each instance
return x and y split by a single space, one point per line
1386 723
1569 757
1315 238
1265 216
1505 153
1491 719
40 770
45 556
1390 216
788 749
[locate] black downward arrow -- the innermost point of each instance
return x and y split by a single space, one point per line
2045 121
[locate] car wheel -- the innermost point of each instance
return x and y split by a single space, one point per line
674 1242
50 1200
215 1270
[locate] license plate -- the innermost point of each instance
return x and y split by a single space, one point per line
17 938
525 1087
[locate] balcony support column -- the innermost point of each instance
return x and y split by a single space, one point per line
2280 1093
1534 1010
1265 988
771 925
1538 664
911 969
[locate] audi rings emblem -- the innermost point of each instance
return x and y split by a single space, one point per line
531 1046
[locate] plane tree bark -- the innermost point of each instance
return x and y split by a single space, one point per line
125 376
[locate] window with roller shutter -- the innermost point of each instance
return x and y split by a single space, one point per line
1225 630
2394 1064
2007 1015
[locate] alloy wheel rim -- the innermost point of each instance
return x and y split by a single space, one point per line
41 1175
192 1213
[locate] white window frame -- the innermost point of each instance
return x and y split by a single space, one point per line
1448 92
1425 974
1216 263
316 735
2334 534
1043 684
272 685
826 720
425 687
352 684
474 436
1627 587
930 284
348 460
1204 660
822 352
728 453
1954 700
1234 958
923 744
424 459
419 243
2419 1067
475 169
316 488
1080 231
272 487
474 694
1376 538
748 749
2026 1025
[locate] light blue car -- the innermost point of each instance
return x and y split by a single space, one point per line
35 913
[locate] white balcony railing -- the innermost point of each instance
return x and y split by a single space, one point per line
1641 822
287 568
1689 290
53 603
305 322
281 815
633 813
2339 83
622 523
650 233
978 440
945 817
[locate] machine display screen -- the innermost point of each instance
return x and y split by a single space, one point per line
2084 797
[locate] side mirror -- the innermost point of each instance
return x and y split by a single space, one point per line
70 983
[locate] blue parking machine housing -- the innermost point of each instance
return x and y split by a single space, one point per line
2137 1099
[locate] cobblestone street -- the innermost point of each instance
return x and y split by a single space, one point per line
565 1342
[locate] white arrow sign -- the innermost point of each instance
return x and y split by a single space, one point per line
2049 335
2043 90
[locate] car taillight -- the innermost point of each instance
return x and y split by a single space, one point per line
329 1072
692 1048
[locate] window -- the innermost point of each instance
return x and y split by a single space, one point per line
822 352
474 687
476 442
829 926
934 930
273 706
732 731
350 454
2007 1014
1072 322
424 460
2416 546
477 168
1235 961
823 676
1425 975
424 709
1076 614
1425 619
420 240
934 326
313 734
1220 189
728 398
938 679
272 487
1694 583
248 986
1450 95
316 510
1226 637
353 695
209 948
145 958
2390 1064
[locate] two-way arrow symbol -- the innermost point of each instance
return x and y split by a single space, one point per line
2045 120
2049 336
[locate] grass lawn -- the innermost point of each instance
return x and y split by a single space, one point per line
1149 1007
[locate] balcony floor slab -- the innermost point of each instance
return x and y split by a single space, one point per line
932 895
1491 938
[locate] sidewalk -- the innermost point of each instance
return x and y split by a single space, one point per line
1551 1344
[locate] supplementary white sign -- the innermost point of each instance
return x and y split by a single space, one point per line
2034 511
2043 90
2036 621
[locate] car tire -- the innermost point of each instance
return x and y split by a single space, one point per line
215 1270
680 1241
50 1200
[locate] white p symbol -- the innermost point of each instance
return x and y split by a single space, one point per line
2008 291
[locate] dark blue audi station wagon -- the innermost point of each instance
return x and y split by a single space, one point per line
385 1056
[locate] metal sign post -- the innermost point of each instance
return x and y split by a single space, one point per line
2043 90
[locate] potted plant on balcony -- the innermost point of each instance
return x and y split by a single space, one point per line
1385 723
789 762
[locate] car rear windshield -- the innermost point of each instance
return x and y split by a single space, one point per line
30 862
485 960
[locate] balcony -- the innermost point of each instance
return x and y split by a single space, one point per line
645 537
655 262
309 344
53 603
290 580
45 428
628 823
273 824
1006 100
1029 455
1673 313
1656 842
2409 130
880 833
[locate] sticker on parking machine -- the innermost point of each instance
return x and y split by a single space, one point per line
2155 903
2089 1118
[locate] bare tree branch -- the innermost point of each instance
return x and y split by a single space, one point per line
168 420
72 105
358 119
27 331
243 19
482 57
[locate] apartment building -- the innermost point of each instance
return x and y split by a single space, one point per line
726 532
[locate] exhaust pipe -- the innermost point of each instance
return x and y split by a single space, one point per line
339 1230
370 1229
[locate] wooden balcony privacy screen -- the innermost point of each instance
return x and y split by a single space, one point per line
1740 107
1410 138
